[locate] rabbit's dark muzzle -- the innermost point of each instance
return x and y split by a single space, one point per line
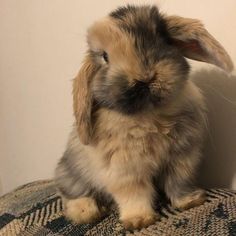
137 98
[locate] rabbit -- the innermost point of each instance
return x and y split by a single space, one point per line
139 121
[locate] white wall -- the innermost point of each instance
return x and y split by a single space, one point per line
1 190
42 43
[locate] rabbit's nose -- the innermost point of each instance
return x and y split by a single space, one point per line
141 84
149 77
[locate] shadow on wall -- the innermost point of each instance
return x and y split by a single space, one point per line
218 168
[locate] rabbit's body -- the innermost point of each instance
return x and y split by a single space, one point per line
129 151
139 121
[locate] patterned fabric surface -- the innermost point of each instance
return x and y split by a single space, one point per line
36 209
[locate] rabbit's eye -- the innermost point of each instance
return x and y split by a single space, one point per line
105 57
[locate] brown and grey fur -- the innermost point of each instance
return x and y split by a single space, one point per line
138 117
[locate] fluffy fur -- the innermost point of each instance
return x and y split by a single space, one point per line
140 122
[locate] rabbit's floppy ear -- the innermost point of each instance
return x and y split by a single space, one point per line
195 42
83 99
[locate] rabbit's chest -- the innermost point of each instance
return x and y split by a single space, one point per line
123 139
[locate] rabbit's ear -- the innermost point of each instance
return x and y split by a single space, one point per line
195 42
83 99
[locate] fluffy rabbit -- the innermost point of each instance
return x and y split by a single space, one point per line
140 122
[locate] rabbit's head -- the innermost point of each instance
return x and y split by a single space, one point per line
136 62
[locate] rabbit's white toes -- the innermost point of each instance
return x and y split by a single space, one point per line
82 210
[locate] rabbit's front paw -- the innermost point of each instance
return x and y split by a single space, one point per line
82 210
139 221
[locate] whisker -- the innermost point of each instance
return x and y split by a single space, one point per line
221 95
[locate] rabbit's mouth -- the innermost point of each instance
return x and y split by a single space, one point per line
137 99
130 99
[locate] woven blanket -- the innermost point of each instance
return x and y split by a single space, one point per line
36 209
